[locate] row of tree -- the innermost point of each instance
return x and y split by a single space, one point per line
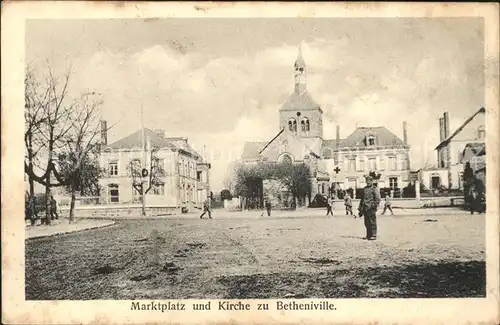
295 178
62 145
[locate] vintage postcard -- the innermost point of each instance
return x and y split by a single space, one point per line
250 163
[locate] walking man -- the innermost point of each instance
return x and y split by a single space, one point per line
387 204
53 208
206 209
329 206
368 208
348 204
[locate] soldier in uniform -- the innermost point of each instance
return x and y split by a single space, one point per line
329 206
368 208
53 208
348 204
206 209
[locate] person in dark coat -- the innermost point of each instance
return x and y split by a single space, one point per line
268 208
206 209
368 208
53 208
329 206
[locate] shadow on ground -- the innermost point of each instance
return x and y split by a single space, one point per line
441 280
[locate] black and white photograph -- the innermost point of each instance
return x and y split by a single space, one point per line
296 159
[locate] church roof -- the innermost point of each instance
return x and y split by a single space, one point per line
302 101
251 150
134 140
384 137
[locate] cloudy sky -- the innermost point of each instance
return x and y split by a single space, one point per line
220 82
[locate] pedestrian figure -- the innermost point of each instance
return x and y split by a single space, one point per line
368 208
206 209
329 206
387 204
268 208
53 208
348 205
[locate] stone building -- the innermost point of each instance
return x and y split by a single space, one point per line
341 161
450 150
184 174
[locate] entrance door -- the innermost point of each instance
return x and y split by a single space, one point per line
435 182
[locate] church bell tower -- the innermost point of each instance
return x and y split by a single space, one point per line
300 73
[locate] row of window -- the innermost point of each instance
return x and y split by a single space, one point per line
186 168
187 192
354 183
373 165
305 126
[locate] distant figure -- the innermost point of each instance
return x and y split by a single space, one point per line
329 206
348 204
368 208
206 209
476 199
268 208
387 204
53 208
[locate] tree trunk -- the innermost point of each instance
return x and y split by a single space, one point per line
47 201
73 198
143 199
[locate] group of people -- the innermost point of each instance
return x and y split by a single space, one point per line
31 212
367 208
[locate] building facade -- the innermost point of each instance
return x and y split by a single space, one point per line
342 162
450 150
182 174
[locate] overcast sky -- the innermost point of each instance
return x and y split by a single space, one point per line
220 82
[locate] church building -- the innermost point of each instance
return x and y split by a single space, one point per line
342 163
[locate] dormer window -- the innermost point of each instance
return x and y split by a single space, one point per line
370 140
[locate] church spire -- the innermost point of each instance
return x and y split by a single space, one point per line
300 73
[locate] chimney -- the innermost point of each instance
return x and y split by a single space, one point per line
441 129
405 133
446 117
160 132
104 132
338 134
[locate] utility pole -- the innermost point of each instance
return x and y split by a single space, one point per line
144 162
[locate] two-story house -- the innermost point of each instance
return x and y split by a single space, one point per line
171 161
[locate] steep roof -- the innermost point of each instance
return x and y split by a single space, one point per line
134 140
445 142
251 150
300 101
383 136
329 147
473 149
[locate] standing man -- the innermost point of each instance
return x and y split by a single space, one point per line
206 209
387 204
368 208
53 208
268 208
329 206
348 204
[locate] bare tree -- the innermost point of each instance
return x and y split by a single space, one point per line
33 118
78 142
55 124
145 178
